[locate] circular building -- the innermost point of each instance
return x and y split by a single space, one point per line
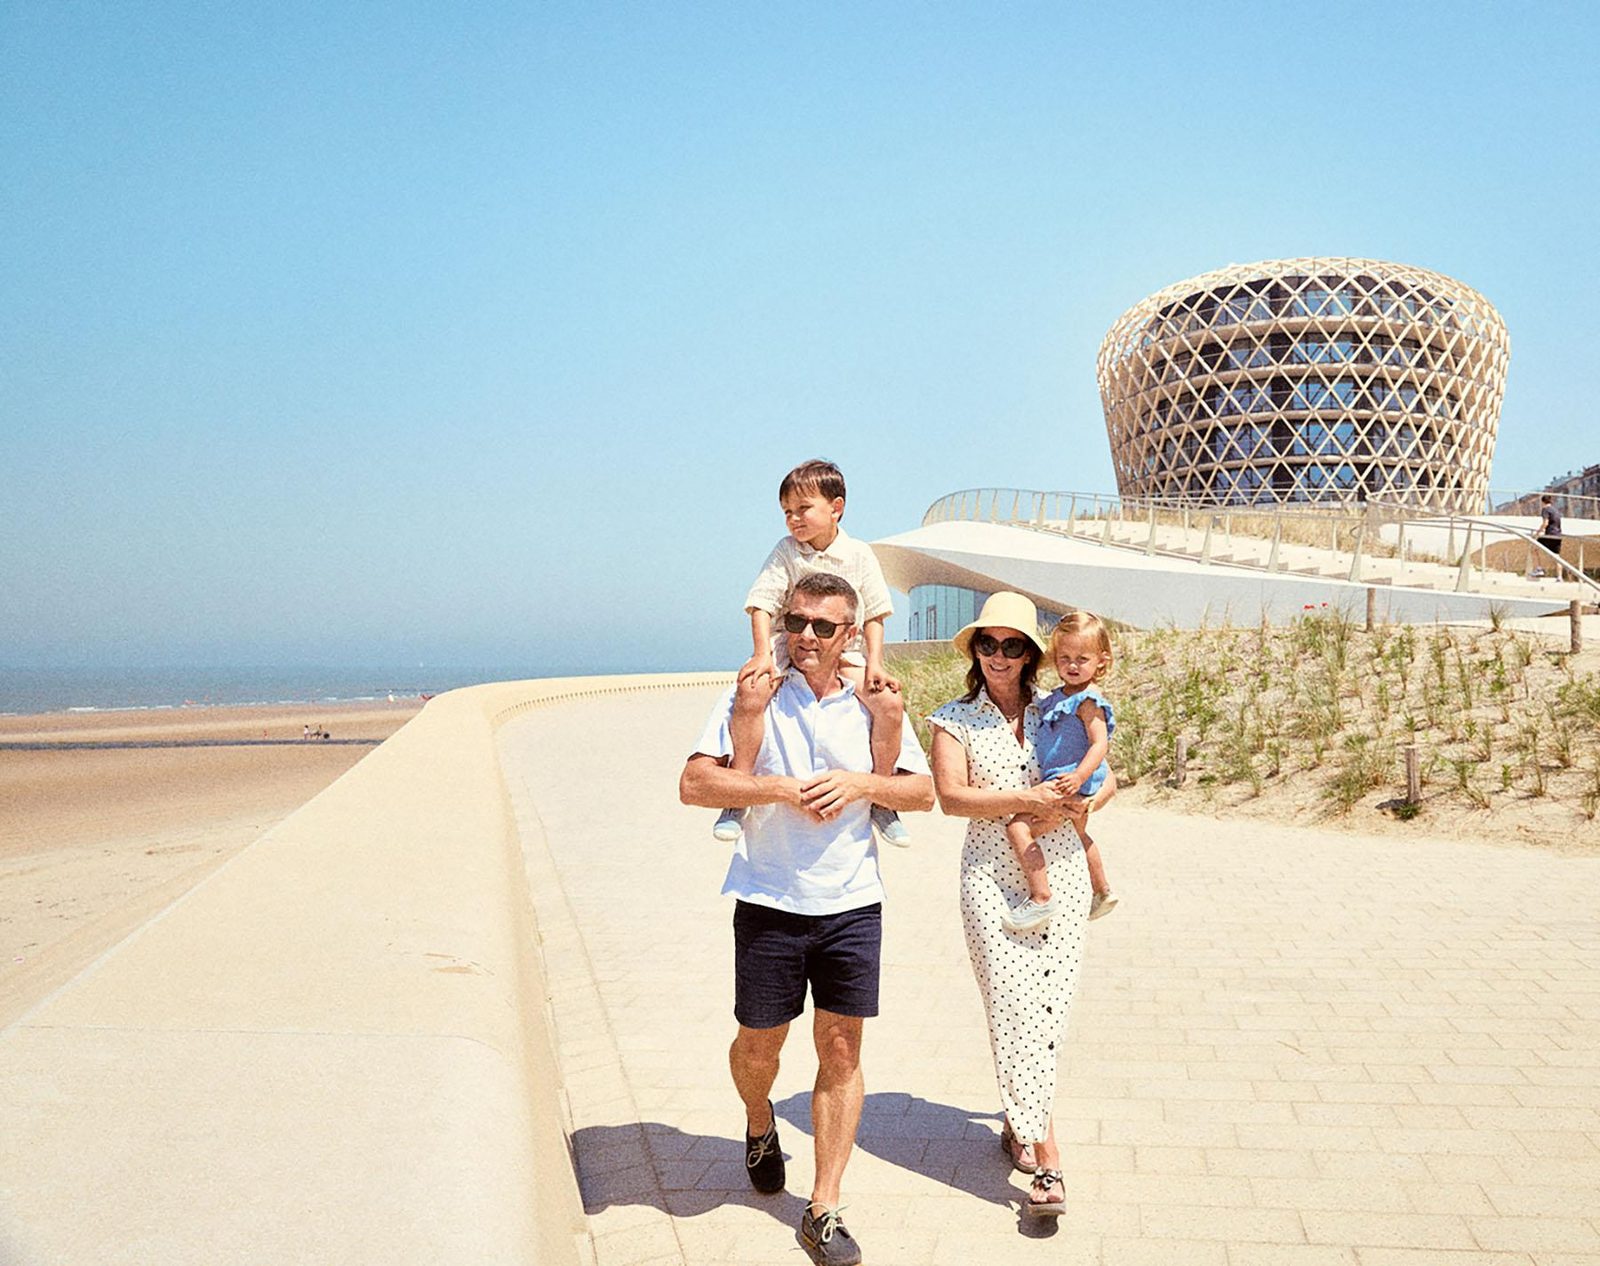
1306 380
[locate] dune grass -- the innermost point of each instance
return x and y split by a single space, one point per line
1498 716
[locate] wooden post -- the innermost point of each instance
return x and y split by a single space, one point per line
1575 615
1180 761
1372 608
1413 775
1150 545
1205 545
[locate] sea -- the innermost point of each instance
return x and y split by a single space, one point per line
25 691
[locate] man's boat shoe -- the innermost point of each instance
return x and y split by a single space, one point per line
763 1158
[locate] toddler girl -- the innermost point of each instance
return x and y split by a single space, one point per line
1075 727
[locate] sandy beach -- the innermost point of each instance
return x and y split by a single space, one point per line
107 817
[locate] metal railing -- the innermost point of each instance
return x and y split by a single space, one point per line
1363 531
1570 504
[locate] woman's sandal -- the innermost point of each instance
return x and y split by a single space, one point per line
1043 1181
1020 1154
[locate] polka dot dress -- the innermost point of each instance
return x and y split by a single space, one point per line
1026 979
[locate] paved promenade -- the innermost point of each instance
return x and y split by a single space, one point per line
1289 1047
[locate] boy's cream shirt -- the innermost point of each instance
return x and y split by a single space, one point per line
845 556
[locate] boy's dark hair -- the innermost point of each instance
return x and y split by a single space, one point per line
826 584
817 476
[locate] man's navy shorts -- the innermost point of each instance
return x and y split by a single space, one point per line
776 954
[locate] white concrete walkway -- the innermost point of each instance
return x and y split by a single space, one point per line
1289 1046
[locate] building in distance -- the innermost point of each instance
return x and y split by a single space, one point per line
1315 380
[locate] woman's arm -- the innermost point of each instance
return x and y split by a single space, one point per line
959 799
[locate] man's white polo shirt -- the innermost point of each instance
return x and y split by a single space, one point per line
788 860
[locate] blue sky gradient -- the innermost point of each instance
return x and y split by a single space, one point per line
483 334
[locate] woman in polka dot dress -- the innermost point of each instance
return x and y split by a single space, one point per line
985 769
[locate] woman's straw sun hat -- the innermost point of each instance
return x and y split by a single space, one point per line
1003 610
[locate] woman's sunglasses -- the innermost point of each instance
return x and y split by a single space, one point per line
824 628
1011 648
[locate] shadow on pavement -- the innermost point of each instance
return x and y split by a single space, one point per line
938 1141
686 1175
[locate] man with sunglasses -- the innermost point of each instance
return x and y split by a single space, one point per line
808 893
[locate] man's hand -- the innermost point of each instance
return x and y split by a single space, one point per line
878 678
758 666
825 795
793 791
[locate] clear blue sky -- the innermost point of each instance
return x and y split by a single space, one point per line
482 333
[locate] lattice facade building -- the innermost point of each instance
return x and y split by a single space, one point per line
1307 380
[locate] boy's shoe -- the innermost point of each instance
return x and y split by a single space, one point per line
824 1238
763 1158
889 825
1028 915
1103 903
727 827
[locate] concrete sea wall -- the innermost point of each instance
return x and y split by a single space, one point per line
334 1049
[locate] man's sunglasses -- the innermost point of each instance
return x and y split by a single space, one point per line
824 628
1011 648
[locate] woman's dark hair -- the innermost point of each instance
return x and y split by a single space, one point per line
1030 670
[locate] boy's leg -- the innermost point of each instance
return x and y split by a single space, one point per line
747 727
1019 831
887 710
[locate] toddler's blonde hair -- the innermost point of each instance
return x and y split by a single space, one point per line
1090 627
